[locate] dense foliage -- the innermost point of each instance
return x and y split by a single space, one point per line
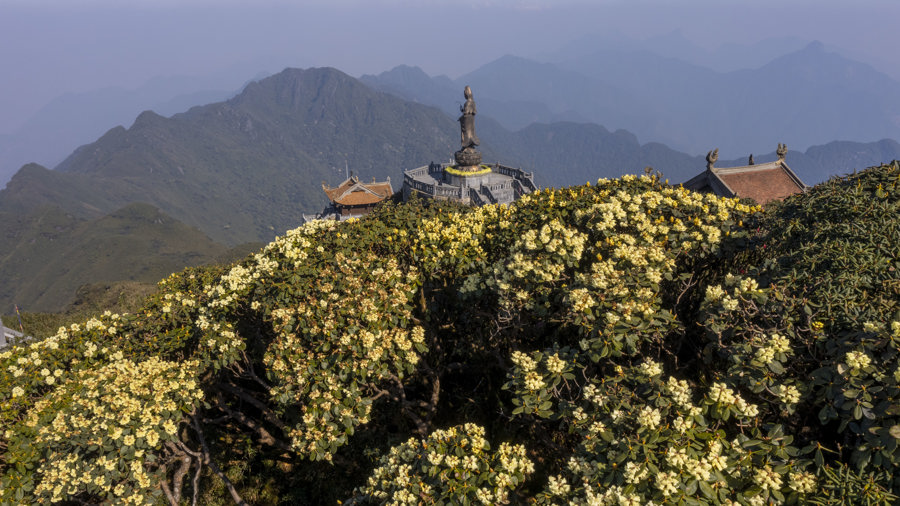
620 343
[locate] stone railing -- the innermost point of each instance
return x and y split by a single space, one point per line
518 188
434 190
526 179
475 197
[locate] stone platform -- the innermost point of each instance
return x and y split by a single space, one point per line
486 184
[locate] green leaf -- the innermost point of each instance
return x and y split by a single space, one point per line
691 487
707 490
894 431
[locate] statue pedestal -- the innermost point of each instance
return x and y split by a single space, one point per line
468 159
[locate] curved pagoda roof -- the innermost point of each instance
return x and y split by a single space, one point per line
353 192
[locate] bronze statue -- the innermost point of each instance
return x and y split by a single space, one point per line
467 121
711 158
781 151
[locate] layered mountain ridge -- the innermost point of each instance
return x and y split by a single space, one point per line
246 169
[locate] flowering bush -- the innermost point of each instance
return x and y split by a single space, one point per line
625 342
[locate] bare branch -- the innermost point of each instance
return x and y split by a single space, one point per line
249 372
164 485
207 460
421 426
265 436
382 393
182 453
187 450
685 288
196 485
178 479
258 404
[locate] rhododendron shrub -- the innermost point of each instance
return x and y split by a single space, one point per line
624 342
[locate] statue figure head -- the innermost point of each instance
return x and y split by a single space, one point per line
467 93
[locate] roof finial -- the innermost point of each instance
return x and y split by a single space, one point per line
750 161
711 158
781 151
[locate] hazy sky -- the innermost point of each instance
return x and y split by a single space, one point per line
50 47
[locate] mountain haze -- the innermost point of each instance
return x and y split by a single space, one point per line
809 96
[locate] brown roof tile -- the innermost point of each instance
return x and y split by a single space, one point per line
354 193
763 182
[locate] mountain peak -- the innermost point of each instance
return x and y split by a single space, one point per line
815 47
147 118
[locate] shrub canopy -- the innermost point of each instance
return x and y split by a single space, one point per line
626 342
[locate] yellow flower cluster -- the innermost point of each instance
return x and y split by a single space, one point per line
651 368
742 288
857 360
541 255
446 467
233 284
296 244
719 393
39 365
636 238
802 482
788 394
614 446
455 241
95 433
767 350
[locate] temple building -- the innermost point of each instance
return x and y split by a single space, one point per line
466 179
352 199
762 182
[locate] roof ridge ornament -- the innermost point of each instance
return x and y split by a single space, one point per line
781 151
711 158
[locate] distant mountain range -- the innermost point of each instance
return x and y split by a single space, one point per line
807 97
726 57
74 119
663 89
169 192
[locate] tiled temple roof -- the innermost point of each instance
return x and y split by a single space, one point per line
352 192
761 182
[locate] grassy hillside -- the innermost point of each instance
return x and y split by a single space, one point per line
620 342
58 253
